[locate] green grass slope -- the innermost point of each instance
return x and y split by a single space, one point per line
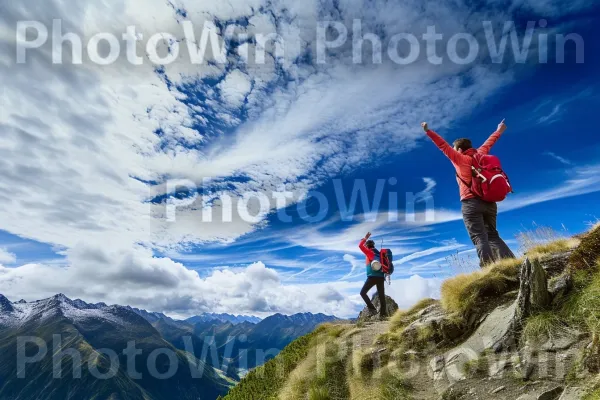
360 363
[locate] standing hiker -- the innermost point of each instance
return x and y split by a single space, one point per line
482 183
375 276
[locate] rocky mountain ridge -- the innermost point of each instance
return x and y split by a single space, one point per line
58 325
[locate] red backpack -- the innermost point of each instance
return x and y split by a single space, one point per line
387 261
490 183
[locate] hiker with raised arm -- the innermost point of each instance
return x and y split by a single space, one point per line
375 276
482 184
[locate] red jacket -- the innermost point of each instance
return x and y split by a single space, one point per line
463 161
370 257
367 252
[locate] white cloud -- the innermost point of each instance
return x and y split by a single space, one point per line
551 7
551 110
82 145
7 257
552 116
235 87
159 284
558 158
409 291
356 265
582 180
70 172
432 250
406 292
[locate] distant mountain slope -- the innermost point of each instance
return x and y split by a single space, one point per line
97 336
239 346
151 316
272 334
243 346
88 328
234 319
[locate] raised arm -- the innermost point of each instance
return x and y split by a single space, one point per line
453 155
487 146
367 252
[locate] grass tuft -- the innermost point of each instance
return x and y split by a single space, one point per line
453 393
557 246
394 388
588 252
477 368
539 237
583 307
333 330
593 395
402 318
542 327
461 293
318 393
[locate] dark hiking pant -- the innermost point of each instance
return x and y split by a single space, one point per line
380 283
480 221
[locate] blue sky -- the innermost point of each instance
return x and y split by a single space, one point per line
89 154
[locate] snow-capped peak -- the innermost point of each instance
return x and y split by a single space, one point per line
78 311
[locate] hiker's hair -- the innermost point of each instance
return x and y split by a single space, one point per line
463 144
370 244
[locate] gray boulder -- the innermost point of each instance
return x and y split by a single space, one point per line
551 394
555 264
560 286
572 393
365 315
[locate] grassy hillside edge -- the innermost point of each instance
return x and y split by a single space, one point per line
401 359
266 381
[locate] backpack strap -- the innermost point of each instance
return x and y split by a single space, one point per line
472 169
463 181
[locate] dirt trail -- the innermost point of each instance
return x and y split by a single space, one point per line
370 332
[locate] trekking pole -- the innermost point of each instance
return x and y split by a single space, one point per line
388 277
477 173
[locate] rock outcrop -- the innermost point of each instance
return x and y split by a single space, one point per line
500 330
560 287
533 296
366 316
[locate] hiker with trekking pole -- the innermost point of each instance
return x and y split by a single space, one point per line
379 268
482 184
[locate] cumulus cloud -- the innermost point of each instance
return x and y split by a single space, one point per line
139 279
7 257
234 88
409 291
406 292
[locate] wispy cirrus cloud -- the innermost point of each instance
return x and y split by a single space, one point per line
558 158
446 247
551 110
577 181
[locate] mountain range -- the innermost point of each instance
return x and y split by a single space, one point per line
204 317
234 319
58 348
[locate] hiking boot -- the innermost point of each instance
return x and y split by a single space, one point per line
372 313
